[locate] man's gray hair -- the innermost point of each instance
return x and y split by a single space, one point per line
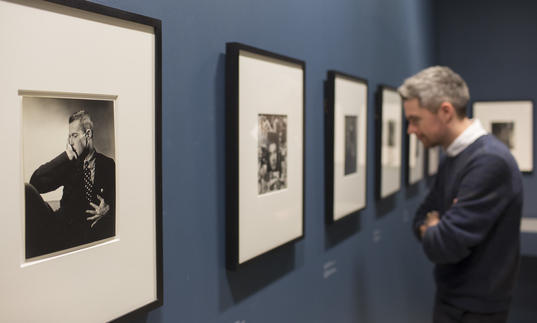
435 85
85 120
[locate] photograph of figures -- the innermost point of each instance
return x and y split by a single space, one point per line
389 141
512 123
69 173
272 152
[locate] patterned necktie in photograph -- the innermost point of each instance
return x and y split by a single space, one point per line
87 183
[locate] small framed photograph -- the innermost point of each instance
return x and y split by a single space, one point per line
433 160
265 152
81 234
345 145
388 138
415 158
512 123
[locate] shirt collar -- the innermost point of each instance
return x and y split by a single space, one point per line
466 138
89 161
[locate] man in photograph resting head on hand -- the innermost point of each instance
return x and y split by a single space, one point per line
86 211
469 223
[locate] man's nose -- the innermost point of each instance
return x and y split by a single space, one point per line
410 129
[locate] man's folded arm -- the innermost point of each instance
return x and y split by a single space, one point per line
484 194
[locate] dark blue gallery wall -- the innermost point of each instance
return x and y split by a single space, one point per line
492 45
381 274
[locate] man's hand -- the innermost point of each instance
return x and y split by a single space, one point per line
71 153
432 220
100 211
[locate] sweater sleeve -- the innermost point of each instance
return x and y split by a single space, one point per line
484 193
51 175
429 204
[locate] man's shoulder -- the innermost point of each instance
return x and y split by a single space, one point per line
491 152
492 146
103 159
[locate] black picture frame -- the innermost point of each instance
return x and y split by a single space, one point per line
89 11
242 192
348 173
384 96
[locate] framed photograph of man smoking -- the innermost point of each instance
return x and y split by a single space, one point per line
81 234
388 139
345 145
512 123
265 147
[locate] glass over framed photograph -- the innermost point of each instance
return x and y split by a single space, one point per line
512 123
415 158
388 138
81 238
265 152
345 145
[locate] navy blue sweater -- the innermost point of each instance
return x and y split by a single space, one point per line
476 244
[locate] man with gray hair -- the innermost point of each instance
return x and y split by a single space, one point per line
87 206
469 223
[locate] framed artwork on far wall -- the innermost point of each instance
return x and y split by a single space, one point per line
415 158
81 233
512 123
265 152
345 145
388 139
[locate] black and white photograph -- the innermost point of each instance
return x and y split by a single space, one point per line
391 154
69 173
272 152
504 132
391 133
351 140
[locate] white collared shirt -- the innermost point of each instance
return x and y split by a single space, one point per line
466 138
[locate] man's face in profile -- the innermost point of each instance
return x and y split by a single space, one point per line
77 139
425 124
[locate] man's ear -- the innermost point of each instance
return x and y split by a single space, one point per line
89 133
447 111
